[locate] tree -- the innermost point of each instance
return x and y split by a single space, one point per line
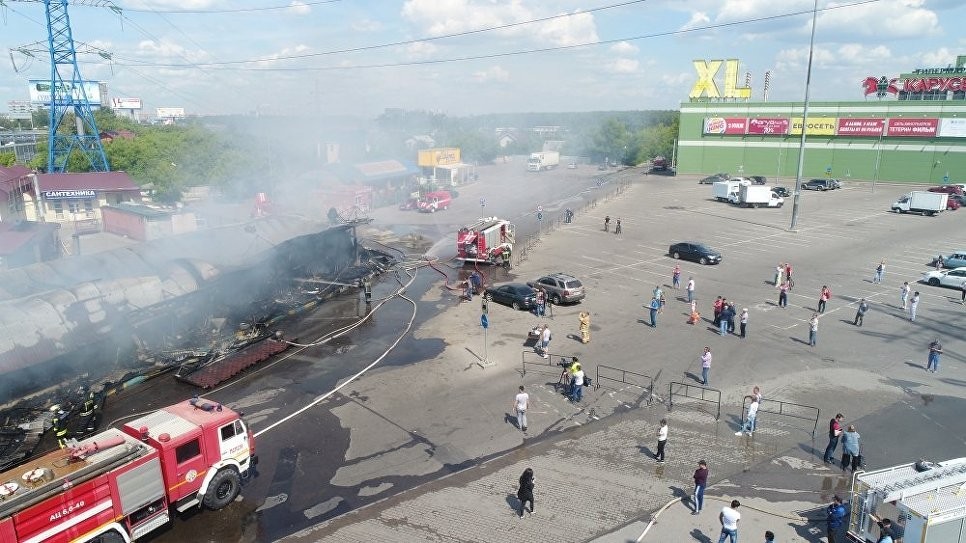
7 159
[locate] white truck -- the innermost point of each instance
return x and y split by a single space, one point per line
755 196
921 201
544 160
722 190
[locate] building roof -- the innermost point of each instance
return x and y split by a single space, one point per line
14 236
12 173
99 181
143 210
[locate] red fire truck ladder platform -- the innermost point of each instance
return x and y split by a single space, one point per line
230 365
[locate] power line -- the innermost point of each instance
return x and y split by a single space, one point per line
235 10
487 56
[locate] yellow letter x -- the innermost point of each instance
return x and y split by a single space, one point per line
706 72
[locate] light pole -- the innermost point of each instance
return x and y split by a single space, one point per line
801 146
878 156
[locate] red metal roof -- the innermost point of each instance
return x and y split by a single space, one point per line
99 181
13 237
9 176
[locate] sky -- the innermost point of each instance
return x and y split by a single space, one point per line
468 57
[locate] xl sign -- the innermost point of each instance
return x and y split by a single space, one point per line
706 86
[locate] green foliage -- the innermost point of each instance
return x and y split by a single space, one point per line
7 159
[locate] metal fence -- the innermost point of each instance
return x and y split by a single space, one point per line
627 377
786 410
537 359
703 394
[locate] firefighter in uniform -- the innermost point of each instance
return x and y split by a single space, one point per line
506 257
89 404
59 427
584 327
367 290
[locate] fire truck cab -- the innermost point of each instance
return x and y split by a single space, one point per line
123 483
484 241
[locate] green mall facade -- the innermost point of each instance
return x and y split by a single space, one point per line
911 129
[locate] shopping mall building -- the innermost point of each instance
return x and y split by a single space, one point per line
908 128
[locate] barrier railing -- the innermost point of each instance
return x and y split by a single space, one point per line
715 395
627 377
551 360
785 409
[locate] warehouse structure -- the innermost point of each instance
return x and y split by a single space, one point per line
909 128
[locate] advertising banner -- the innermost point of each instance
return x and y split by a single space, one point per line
126 103
40 92
816 126
952 128
860 127
768 126
170 112
445 156
726 125
920 128
69 194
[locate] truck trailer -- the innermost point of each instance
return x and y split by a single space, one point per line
924 501
755 196
722 190
123 483
484 241
544 160
921 201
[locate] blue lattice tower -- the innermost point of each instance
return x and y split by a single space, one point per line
67 94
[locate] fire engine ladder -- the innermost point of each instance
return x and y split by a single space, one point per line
925 481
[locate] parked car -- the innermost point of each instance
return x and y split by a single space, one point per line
954 260
712 179
948 189
952 204
945 278
821 184
560 288
758 179
781 191
515 295
695 251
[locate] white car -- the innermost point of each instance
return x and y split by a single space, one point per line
946 278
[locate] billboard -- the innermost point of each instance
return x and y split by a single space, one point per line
39 92
860 127
815 126
726 125
920 128
446 156
770 126
69 194
952 128
126 103
170 113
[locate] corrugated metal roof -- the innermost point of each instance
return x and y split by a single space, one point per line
100 181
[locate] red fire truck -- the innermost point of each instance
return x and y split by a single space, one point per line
124 482
484 241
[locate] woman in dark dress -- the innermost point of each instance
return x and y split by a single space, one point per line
525 494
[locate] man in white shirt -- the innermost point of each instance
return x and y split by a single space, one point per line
729 517
576 391
749 425
545 341
520 404
661 441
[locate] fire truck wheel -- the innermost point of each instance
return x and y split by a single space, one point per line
223 489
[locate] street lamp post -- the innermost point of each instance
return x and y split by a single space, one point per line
801 146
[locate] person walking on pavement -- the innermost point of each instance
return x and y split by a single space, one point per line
813 330
607 223
729 517
769 536
700 483
545 338
913 306
850 449
541 303
823 298
939 262
520 404
584 327
661 441
879 272
617 227
834 431
788 273
749 426
904 294
577 388
779 274
706 366
726 316
676 277
690 289
835 517
743 320
731 317
655 306
860 312
659 294
935 350
525 492
783 295
717 307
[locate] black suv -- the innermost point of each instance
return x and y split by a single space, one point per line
759 179
821 184
560 288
